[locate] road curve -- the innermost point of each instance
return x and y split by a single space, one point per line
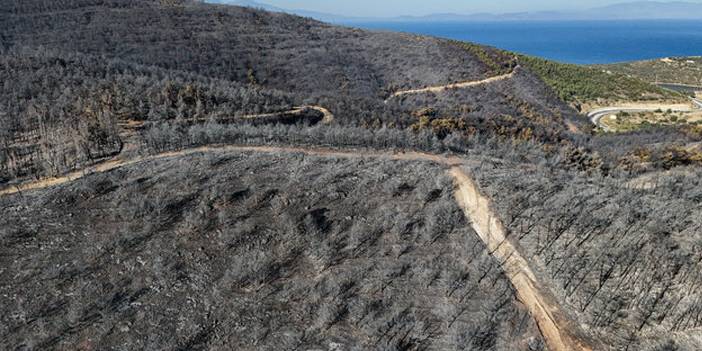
559 332
116 163
596 116
327 117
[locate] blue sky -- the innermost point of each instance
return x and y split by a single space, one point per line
423 7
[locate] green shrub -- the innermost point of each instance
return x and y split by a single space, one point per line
574 83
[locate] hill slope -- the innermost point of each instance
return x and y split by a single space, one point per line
186 238
624 255
363 254
675 70
171 61
172 64
270 50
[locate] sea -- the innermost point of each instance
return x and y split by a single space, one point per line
581 42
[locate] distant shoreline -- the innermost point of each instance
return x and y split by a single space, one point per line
579 42
351 22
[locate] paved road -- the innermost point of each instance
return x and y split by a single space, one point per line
685 88
597 115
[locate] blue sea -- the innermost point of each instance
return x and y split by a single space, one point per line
583 42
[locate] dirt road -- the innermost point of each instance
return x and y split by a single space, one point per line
560 333
327 118
117 163
441 88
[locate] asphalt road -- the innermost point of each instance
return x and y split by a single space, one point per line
597 115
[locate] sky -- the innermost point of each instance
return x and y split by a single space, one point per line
389 8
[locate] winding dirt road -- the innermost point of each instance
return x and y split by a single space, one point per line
559 332
130 138
117 163
461 85
327 118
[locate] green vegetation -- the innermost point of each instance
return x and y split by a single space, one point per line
579 84
678 70
573 84
625 121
